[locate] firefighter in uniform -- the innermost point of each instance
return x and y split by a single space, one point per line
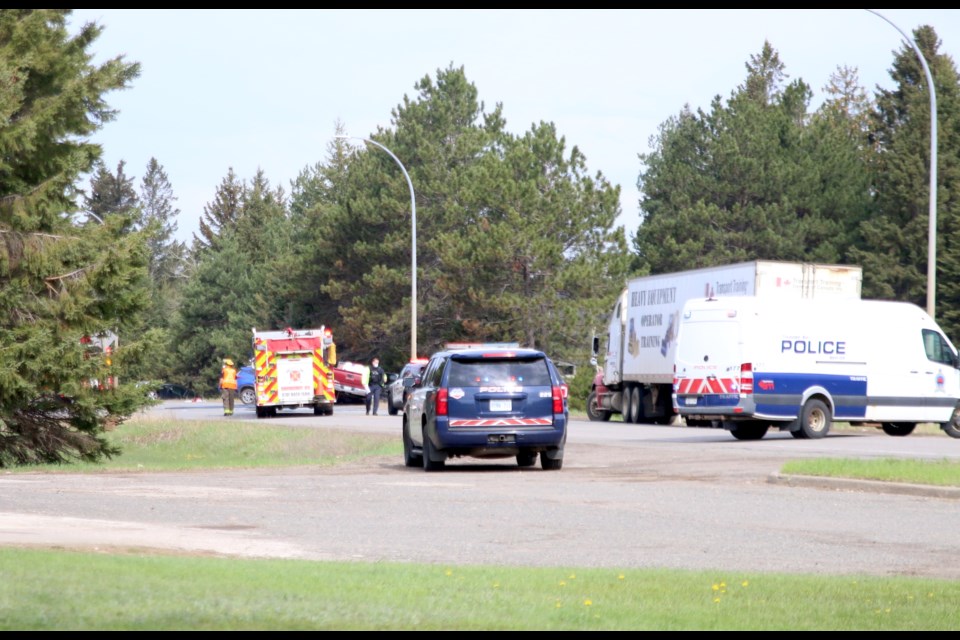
228 386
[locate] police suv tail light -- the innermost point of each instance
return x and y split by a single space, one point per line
557 400
441 401
746 377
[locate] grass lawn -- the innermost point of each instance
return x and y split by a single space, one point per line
65 590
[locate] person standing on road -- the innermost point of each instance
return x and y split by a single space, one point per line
377 378
228 386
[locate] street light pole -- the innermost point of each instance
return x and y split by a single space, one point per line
932 231
413 252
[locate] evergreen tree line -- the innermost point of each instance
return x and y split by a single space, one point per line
516 237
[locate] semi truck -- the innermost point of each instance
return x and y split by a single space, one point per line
635 377
294 369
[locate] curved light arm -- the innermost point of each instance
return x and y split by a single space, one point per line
932 230
413 252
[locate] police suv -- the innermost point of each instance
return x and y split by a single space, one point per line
486 402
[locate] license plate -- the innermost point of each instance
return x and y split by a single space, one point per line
690 401
501 405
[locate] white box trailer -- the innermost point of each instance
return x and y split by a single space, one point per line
797 365
635 378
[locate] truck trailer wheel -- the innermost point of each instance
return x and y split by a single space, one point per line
626 403
815 419
636 405
595 413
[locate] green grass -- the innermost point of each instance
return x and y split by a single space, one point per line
60 590
133 590
172 445
944 473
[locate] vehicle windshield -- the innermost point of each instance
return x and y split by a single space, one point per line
499 372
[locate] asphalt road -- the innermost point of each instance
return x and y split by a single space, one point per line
628 496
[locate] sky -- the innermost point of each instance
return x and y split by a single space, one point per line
259 89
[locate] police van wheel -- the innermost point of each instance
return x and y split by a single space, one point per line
952 428
815 419
898 428
749 431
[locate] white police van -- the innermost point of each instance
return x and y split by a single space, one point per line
748 364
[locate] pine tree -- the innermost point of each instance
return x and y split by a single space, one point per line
222 212
313 217
242 279
894 244
753 178
111 194
505 228
61 283
158 216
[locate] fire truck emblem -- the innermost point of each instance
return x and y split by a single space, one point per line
295 376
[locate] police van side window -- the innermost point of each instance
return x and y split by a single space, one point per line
937 348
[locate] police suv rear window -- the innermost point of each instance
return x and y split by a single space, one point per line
491 372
